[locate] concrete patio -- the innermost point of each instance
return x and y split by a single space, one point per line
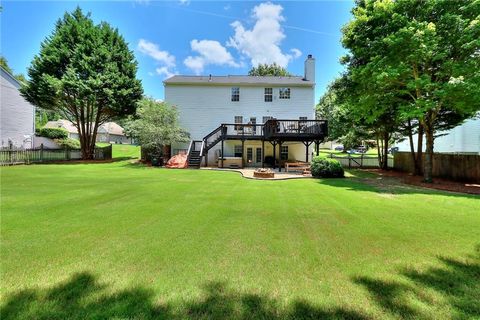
248 173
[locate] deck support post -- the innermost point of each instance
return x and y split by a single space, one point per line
307 144
280 156
317 147
222 154
263 153
243 153
206 158
274 144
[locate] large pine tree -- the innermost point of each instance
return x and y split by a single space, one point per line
86 73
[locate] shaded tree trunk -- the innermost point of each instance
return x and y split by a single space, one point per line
418 163
386 137
412 147
428 170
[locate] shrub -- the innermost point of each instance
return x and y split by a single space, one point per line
326 168
53 133
68 143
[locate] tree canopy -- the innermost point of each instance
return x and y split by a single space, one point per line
414 65
86 73
156 125
269 70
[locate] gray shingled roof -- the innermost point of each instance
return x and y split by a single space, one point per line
241 80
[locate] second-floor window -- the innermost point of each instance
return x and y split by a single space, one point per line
284 93
303 118
268 94
238 119
266 118
236 94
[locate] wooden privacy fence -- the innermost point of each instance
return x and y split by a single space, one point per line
359 161
39 155
459 167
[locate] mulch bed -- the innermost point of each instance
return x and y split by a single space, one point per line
438 183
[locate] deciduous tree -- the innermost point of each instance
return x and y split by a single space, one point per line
425 55
269 70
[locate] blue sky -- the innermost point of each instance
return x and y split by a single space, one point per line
194 37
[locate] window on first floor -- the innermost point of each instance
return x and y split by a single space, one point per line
284 153
237 151
235 94
268 94
284 93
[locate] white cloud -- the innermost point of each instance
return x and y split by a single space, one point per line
163 58
295 53
209 52
261 44
184 2
151 49
164 71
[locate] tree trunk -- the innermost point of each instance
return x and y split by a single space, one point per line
379 152
386 137
428 172
412 147
418 163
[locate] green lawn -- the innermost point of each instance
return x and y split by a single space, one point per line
123 241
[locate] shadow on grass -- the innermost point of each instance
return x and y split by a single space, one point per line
386 185
83 297
457 281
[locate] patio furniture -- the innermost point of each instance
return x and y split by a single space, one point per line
297 166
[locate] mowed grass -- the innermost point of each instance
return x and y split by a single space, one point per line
124 241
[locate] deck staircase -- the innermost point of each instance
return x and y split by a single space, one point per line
195 154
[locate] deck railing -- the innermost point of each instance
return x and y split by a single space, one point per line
243 130
295 128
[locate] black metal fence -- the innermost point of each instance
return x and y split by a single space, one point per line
39 155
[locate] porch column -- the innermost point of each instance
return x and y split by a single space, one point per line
206 158
263 153
243 153
274 143
222 154
280 158
317 147
307 144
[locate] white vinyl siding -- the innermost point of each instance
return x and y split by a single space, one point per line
203 108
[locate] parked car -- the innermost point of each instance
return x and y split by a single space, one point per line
361 149
392 150
339 148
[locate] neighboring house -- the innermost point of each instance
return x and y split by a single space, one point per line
17 123
107 132
255 119
464 139
64 124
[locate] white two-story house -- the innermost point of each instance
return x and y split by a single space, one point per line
247 120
